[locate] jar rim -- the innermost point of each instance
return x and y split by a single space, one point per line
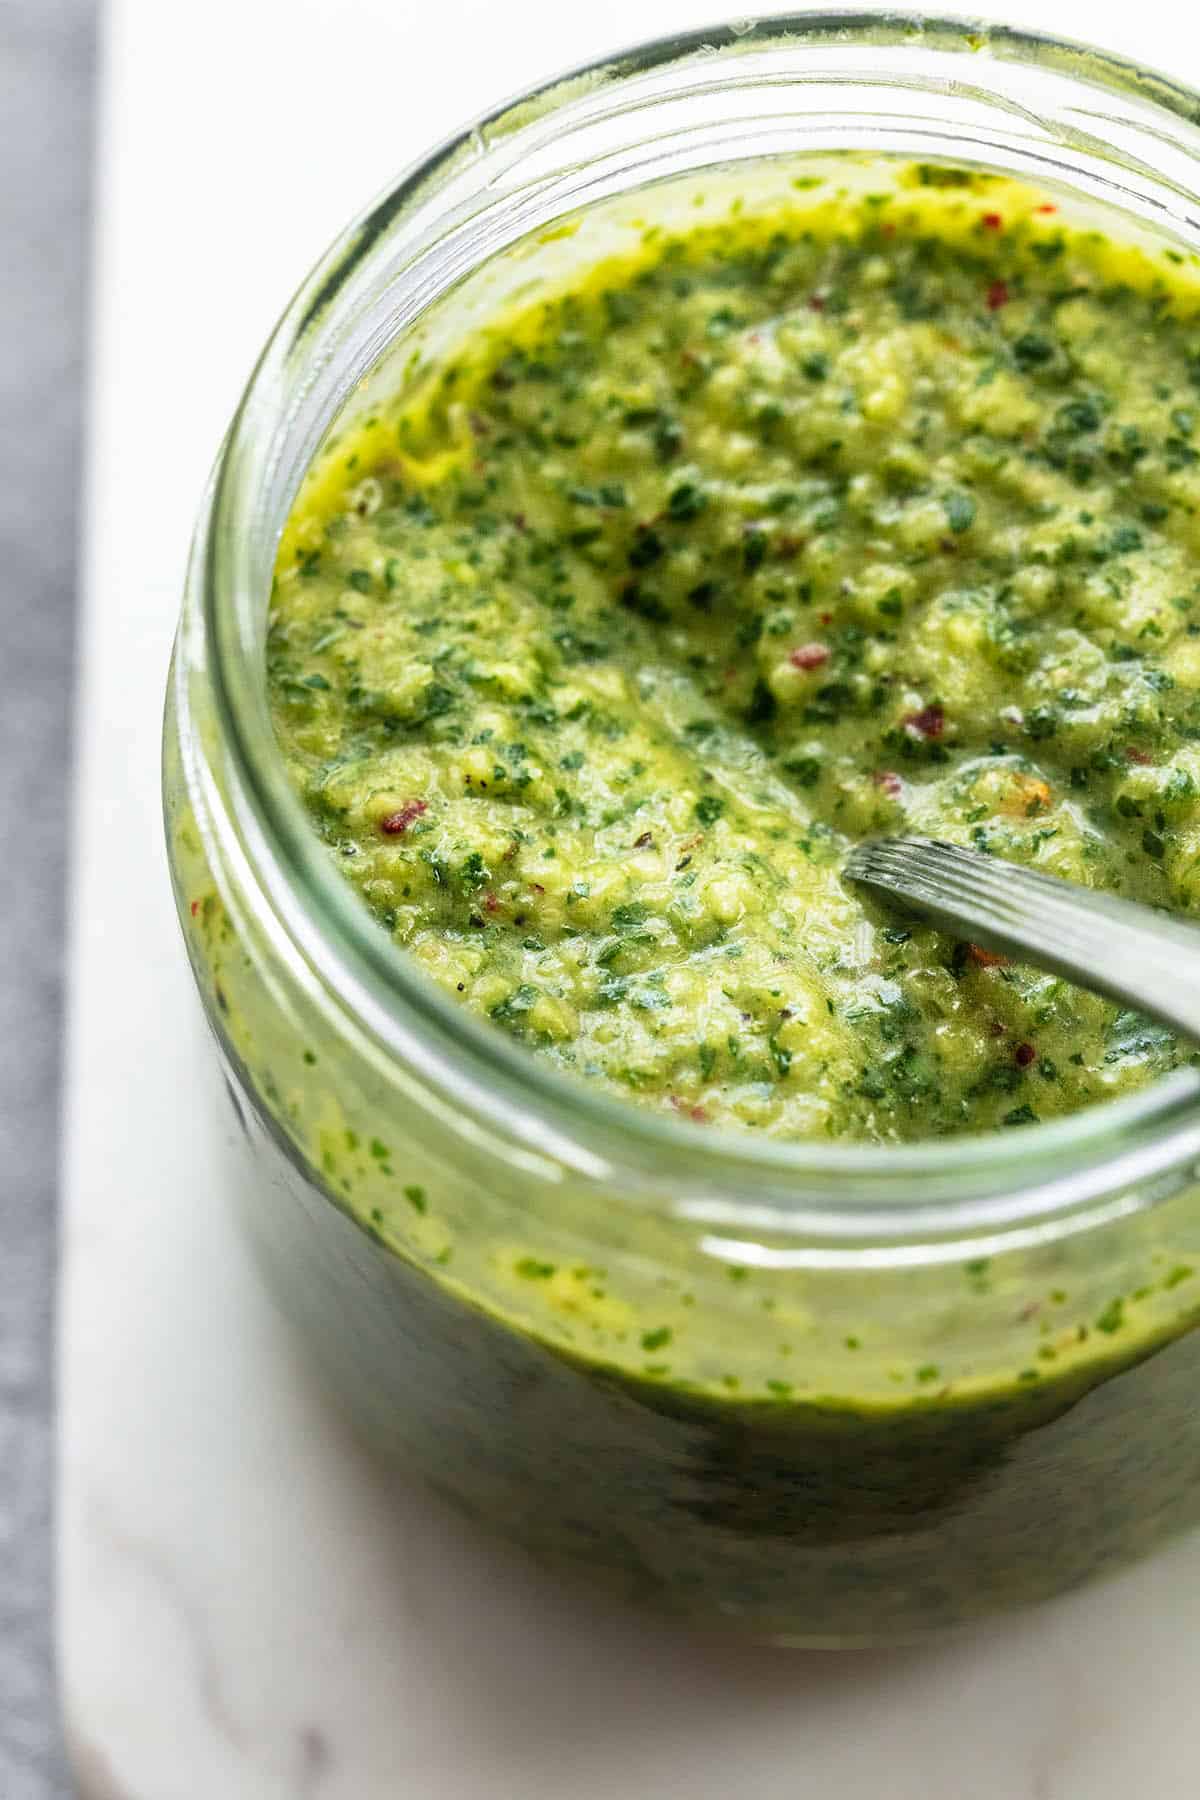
1030 1182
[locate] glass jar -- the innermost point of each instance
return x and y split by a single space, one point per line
820 1394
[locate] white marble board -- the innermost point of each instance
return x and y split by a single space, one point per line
249 1609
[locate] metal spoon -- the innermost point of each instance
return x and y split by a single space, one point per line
1145 959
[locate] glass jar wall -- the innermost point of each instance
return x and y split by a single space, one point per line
819 1394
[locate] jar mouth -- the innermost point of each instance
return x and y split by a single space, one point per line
349 310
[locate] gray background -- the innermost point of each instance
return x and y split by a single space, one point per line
47 58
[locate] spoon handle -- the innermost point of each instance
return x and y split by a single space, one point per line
1145 959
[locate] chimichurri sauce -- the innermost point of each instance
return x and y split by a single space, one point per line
590 653
591 658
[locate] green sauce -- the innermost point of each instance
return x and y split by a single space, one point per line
591 658
590 655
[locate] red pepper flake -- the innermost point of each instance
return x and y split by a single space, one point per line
985 959
644 842
888 782
490 902
930 722
1048 207
755 337
816 303
195 907
998 296
993 222
400 821
824 618
809 656
889 229
1135 755
692 1112
1023 1055
996 1028
788 545
690 358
